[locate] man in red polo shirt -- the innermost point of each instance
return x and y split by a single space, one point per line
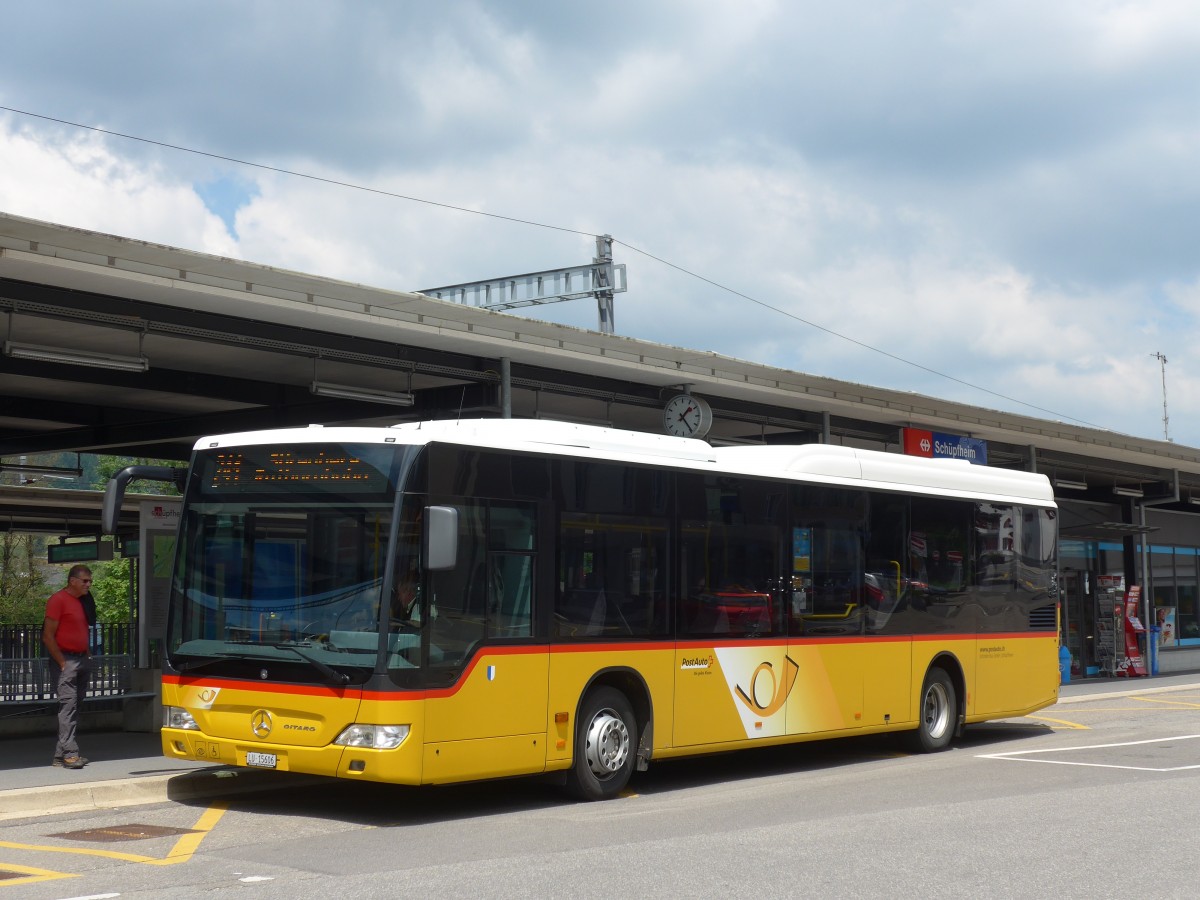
65 634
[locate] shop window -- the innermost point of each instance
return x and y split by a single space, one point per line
1163 592
1175 595
1111 555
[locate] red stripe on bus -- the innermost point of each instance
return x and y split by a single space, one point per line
303 690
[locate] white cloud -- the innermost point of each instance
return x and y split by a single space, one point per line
1185 296
79 181
1002 192
1128 33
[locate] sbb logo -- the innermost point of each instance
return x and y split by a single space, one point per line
926 445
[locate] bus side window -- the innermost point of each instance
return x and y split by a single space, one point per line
611 574
511 550
510 610
887 585
731 556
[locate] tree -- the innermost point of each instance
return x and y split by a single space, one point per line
23 584
110 587
108 466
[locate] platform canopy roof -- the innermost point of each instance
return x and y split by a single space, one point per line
120 346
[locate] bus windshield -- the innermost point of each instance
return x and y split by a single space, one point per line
283 554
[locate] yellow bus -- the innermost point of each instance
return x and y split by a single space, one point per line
439 602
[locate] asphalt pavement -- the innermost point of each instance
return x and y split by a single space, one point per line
128 768
124 769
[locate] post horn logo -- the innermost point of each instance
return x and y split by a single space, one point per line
780 688
260 723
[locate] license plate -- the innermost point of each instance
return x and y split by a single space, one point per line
262 760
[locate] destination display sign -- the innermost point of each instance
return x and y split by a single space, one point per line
300 468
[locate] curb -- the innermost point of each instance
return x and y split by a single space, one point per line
204 784
1126 692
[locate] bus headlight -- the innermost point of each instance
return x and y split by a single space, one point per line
178 717
376 737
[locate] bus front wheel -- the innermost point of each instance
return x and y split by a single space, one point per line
604 746
937 715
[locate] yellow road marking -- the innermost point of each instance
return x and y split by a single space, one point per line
1177 704
1110 709
183 850
1062 722
77 851
188 844
1170 704
32 875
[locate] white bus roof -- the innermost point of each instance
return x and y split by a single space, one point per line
819 463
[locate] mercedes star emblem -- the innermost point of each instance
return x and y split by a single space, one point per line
260 723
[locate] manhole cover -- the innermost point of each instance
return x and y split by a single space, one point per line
123 833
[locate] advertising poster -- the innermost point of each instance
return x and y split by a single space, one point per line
801 550
1166 625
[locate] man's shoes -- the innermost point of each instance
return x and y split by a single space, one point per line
70 762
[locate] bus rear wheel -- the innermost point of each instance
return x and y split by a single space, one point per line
604 746
937 715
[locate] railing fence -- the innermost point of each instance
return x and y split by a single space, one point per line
25 667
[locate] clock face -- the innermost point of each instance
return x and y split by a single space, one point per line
687 416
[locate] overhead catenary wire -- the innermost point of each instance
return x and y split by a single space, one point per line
535 224
844 337
290 172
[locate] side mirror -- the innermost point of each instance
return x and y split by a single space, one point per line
440 550
114 493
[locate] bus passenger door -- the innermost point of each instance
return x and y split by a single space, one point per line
829 695
732 670
486 707
831 609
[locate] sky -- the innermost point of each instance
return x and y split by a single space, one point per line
996 203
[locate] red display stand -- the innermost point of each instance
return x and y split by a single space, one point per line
1133 664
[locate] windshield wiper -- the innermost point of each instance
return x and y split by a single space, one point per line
335 677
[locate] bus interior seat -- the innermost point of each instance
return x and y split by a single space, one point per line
593 611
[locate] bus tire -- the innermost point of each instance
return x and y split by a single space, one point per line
604 746
937 714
